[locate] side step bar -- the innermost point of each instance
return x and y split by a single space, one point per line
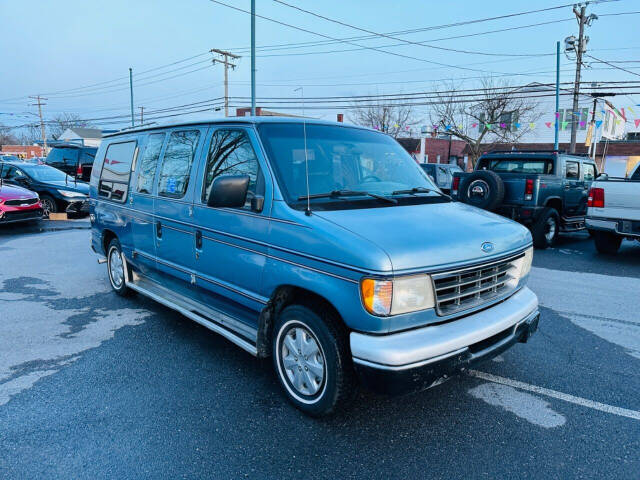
242 343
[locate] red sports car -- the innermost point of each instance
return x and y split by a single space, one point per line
18 204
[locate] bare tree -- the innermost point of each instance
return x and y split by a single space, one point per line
61 122
388 116
29 134
6 137
497 114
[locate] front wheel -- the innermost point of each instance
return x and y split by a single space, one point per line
312 361
48 205
607 242
545 229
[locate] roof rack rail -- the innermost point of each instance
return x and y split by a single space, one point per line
527 151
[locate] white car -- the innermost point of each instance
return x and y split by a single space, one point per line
613 211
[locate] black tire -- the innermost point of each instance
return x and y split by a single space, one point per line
483 189
118 283
49 204
607 242
332 338
541 228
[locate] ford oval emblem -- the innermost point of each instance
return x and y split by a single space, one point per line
487 247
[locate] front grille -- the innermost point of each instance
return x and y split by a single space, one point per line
17 203
16 216
470 287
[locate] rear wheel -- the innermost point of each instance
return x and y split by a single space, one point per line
607 242
117 268
545 229
312 361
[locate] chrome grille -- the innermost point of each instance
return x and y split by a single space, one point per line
467 288
17 203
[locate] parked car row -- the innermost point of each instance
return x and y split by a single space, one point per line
57 191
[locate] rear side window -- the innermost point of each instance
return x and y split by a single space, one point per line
149 162
231 153
116 170
176 163
636 174
589 172
517 165
573 170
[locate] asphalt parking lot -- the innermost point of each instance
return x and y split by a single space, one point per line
95 386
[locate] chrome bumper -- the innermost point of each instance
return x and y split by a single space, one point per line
416 348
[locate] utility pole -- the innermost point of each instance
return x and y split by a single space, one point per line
141 115
227 64
253 57
580 47
131 91
39 99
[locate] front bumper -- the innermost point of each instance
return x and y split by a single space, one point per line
417 359
20 215
629 228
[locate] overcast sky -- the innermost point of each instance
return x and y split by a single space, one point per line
63 49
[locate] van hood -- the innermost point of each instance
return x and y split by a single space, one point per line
418 237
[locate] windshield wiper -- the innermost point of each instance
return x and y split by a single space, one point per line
414 190
348 193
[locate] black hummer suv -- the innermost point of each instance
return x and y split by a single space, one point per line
547 191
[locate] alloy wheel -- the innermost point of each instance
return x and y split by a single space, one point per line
116 268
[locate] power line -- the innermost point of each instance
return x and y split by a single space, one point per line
612 65
349 42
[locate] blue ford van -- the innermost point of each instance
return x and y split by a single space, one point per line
322 245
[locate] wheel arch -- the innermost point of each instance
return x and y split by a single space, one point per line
283 296
554 202
107 236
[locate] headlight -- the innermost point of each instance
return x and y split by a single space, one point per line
70 194
525 263
400 295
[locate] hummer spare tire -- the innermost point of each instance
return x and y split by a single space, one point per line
483 189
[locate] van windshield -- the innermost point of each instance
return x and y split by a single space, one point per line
340 159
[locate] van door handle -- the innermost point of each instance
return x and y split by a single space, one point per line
198 240
158 229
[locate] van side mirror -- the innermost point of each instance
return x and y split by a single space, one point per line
229 191
602 176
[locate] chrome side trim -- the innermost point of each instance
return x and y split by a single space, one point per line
186 271
242 343
280 259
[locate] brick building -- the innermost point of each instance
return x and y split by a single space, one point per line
23 151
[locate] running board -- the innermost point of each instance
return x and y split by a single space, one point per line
242 343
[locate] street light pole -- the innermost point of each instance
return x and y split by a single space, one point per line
131 92
253 57
557 114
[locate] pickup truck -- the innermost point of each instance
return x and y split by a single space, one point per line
613 211
546 191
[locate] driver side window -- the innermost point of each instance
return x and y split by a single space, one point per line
231 153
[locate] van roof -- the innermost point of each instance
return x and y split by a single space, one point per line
234 121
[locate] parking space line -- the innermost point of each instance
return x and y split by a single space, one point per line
603 407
